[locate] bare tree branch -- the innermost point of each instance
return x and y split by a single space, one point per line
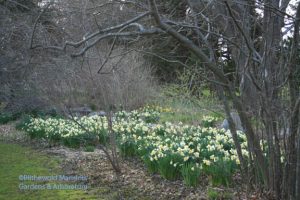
187 43
36 22
91 36
108 35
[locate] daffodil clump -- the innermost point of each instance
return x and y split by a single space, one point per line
209 121
73 133
157 108
146 114
170 148
173 150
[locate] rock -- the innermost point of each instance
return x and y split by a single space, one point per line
80 111
284 133
237 121
99 113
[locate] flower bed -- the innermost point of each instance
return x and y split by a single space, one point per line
173 150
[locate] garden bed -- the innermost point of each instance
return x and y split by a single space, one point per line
161 160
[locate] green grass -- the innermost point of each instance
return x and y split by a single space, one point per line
188 109
16 160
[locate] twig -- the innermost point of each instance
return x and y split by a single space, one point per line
35 23
91 36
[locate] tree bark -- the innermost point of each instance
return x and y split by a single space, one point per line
292 180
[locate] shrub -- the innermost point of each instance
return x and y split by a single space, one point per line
23 122
6 117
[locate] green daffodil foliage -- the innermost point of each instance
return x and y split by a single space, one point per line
176 151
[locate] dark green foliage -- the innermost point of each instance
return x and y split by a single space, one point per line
128 148
93 107
103 137
166 167
151 119
6 117
221 172
85 140
72 142
21 124
89 149
190 173
166 47
151 165
37 134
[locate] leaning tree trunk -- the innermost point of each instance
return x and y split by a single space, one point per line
233 131
293 162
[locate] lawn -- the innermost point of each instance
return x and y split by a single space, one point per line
16 160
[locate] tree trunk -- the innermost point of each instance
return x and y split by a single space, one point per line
292 180
232 129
